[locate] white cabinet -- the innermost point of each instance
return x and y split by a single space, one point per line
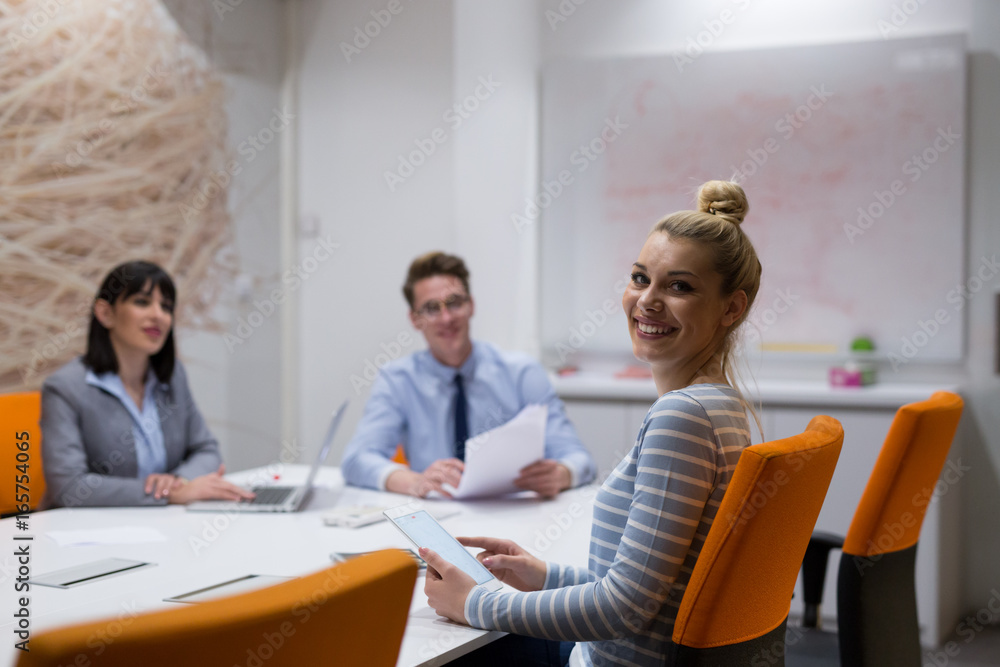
608 413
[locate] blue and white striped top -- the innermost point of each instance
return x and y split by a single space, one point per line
651 517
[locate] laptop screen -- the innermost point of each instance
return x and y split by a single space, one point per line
327 444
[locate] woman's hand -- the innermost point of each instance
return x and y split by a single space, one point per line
446 586
509 562
161 484
208 487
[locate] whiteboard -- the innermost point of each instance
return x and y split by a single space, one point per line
852 157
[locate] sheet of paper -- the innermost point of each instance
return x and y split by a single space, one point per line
117 535
493 458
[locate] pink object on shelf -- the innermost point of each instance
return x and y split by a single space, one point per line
852 375
843 377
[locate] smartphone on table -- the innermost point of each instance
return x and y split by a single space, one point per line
424 531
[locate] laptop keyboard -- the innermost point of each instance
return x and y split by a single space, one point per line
271 495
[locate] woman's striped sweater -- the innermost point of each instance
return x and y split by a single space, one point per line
651 517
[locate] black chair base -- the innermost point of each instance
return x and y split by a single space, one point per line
768 649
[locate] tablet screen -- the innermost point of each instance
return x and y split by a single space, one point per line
420 527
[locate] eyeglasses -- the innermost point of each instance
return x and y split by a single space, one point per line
433 308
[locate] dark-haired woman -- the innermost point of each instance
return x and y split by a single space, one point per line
119 424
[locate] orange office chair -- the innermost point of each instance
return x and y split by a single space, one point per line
400 456
19 415
350 614
876 595
736 605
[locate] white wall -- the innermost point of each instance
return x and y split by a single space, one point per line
496 157
357 117
237 384
634 27
981 424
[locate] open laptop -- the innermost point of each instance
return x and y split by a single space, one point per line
277 498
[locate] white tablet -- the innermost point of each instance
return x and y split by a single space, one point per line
421 529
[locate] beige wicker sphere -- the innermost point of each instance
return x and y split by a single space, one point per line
112 148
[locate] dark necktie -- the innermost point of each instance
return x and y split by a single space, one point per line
461 419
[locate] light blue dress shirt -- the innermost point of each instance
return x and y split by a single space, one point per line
412 403
150 451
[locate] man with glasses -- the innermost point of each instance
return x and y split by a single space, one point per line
431 401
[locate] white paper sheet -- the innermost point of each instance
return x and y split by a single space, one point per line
118 535
493 458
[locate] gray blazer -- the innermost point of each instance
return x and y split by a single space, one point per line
88 449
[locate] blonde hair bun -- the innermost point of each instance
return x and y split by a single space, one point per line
724 199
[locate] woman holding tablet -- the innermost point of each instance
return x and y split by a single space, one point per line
119 424
691 287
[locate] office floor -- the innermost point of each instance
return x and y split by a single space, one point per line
979 650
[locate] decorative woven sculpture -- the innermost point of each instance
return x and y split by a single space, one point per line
112 147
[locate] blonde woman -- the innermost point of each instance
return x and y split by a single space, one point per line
691 287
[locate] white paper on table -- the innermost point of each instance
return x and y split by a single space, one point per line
117 535
493 459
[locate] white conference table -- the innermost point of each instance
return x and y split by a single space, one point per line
203 549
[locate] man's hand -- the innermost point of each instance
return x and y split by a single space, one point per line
419 484
446 587
208 487
546 477
509 562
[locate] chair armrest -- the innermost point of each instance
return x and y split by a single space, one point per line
814 574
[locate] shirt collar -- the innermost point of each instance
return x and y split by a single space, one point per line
110 382
447 373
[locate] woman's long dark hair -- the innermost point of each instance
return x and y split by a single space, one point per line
124 281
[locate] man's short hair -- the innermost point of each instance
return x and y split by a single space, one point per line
433 264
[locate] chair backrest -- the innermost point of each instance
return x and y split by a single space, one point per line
891 511
19 414
876 596
350 614
400 456
741 587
